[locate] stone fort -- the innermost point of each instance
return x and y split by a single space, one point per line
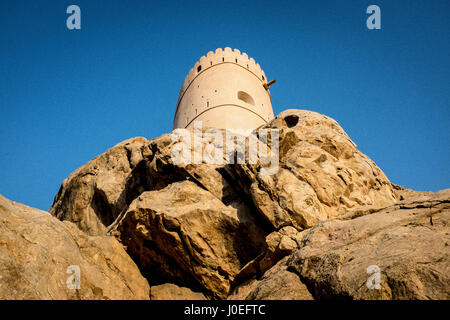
227 90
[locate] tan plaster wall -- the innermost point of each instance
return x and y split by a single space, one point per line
210 93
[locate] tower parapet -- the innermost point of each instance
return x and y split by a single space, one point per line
224 89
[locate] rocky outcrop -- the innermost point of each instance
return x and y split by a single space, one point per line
37 251
96 194
170 291
321 175
184 234
278 283
307 230
408 243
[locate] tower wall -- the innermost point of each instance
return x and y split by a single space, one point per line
225 89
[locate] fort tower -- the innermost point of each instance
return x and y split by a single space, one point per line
225 89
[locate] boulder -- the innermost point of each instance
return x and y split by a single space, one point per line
212 229
170 291
95 195
279 244
407 244
185 235
39 253
321 174
278 283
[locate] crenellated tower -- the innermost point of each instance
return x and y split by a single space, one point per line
225 89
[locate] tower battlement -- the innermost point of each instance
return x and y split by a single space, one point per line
219 56
225 79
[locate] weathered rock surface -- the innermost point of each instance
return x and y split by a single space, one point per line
278 283
321 176
213 229
96 194
279 244
408 241
36 249
185 234
170 291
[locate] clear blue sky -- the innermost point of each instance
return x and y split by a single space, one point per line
67 96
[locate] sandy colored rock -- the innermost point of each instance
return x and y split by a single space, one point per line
278 245
170 291
183 234
321 175
278 283
95 195
36 249
408 241
210 228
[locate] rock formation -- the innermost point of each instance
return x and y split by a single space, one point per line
321 176
36 250
170 291
184 232
227 231
409 242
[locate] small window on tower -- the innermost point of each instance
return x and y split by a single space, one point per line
244 96
199 68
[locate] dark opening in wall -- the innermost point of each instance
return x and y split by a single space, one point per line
263 77
244 96
236 60
223 59
199 68
291 120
